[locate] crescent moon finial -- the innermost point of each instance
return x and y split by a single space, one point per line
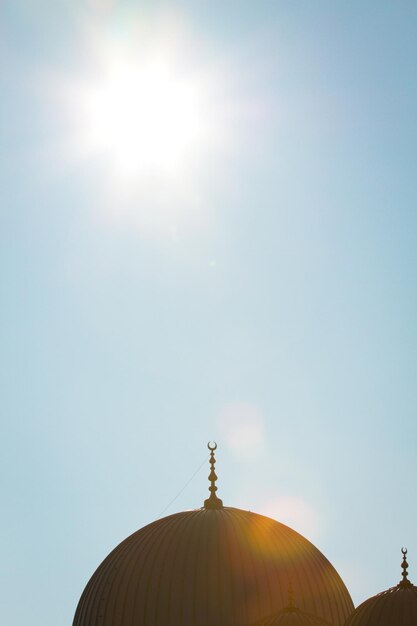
213 502
405 582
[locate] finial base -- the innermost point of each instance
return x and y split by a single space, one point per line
404 584
213 503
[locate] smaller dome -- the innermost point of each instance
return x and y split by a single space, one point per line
396 606
291 615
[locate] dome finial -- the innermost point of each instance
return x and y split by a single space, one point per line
291 601
404 582
213 502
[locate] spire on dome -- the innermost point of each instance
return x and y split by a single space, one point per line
404 582
213 502
291 601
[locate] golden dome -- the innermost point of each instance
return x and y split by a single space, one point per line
215 566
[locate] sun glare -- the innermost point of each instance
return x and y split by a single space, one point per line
146 118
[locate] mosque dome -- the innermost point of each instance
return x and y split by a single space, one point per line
396 606
214 566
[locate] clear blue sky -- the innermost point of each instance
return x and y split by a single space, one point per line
272 307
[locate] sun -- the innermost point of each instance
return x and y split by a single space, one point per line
147 117
148 104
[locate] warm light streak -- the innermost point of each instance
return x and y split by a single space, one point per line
293 511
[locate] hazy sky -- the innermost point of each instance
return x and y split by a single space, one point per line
235 261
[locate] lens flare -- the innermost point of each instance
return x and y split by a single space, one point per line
294 512
241 425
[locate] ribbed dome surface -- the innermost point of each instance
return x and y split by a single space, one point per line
293 617
219 567
395 607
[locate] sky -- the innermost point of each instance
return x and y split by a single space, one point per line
207 232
